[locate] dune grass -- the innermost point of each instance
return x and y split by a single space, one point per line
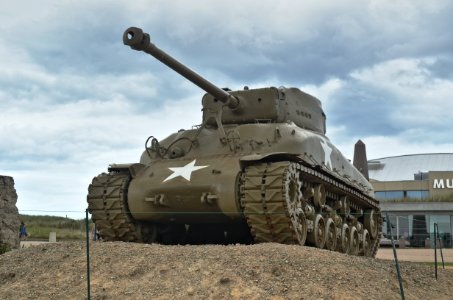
39 227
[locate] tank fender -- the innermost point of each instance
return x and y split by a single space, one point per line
133 169
247 159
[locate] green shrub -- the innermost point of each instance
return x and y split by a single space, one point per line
4 248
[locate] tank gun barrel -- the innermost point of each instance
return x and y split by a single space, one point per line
141 41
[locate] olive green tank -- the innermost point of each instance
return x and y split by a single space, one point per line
258 169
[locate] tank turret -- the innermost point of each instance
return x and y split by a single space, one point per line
246 106
259 168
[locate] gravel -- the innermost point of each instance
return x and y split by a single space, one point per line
264 271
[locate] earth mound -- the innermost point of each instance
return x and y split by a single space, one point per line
9 215
264 271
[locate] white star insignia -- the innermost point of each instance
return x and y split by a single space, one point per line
185 172
327 152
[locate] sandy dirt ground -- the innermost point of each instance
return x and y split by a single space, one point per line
415 254
26 244
407 254
264 271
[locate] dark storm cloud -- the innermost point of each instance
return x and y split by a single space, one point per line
346 38
247 44
363 111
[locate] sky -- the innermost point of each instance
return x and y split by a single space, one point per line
74 99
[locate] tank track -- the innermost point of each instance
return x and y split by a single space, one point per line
263 202
108 207
270 216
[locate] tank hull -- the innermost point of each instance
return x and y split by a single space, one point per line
231 194
255 142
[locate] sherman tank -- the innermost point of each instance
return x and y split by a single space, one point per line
258 169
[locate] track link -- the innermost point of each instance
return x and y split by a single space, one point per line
108 206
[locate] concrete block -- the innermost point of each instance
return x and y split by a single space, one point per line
52 237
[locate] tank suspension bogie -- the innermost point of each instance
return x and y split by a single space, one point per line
344 208
319 195
331 235
345 220
309 211
371 222
317 236
345 239
354 241
366 243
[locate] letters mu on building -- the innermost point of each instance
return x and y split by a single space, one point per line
417 192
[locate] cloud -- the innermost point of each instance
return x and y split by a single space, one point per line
421 98
397 106
53 154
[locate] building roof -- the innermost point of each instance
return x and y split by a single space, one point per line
396 168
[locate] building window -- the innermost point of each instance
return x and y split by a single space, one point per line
418 230
388 195
443 223
379 195
395 195
421 176
417 194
